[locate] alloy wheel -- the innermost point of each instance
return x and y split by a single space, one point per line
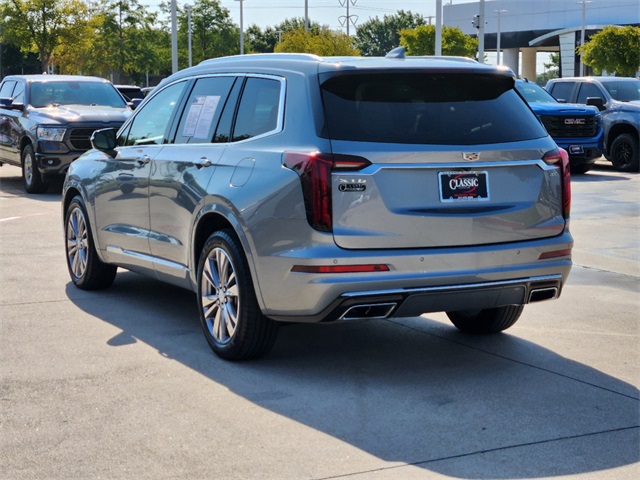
220 296
77 242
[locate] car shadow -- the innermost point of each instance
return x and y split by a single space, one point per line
13 184
426 396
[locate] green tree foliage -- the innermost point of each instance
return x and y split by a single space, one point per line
213 33
422 41
613 49
259 41
40 26
377 37
324 43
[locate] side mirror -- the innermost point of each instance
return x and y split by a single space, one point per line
6 102
596 102
104 140
135 102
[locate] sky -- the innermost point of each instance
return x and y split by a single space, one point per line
265 13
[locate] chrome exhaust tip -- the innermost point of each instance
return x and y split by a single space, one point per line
376 310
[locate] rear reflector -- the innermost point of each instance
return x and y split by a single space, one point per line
340 268
555 253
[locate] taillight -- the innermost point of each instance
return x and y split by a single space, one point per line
560 158
315 175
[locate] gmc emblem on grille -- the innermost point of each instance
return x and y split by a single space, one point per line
574 121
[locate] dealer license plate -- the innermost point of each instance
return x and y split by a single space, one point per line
463 186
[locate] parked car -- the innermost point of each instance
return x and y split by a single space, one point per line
132 94
576 128
295 188
46 122
618 98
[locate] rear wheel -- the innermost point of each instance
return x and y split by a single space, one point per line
87 271
230 316
490 320
31 176
625 154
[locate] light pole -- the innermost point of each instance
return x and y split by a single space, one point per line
481 32
306 15
174 37
189 33
241 28
499 12
584 16
438 46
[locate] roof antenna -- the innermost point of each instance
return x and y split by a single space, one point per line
398 52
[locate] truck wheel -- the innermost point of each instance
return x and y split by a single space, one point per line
231 319
490 320
625 154
87 271
31 177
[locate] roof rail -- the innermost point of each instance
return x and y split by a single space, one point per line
265 56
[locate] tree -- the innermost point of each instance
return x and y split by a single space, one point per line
377 37
422 41
259 41
613 49
325 43
213 32
40 26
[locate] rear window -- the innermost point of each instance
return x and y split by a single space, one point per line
427 108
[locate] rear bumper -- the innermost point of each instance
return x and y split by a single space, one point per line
411 302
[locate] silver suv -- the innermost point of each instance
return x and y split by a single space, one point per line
294 188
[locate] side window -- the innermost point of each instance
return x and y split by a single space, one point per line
150 123
203 108
589 90
7 89
258 110
562 91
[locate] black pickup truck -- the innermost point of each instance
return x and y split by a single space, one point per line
46 122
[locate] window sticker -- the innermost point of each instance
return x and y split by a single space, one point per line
200 116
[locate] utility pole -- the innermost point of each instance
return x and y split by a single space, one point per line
189 32
438 50
584 18
499 12
241 28
346 20
481 33
306 15
174 37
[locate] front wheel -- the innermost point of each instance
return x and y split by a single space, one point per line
231 319
31 176
490 320
87 271
625 154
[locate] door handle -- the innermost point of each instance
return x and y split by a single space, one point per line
203 162
143 160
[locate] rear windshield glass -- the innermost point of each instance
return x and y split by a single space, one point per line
44 94
427 108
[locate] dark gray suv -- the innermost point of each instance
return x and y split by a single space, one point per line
295 188
46 122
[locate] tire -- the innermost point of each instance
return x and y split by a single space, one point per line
490 320
231 319
624 153
87 271
31 176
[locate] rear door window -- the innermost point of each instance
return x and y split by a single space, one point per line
562 90
258 110
588 90
203 109
427 108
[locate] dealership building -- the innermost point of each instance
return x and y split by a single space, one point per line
527 27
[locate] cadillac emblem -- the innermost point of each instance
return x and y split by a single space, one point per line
471 157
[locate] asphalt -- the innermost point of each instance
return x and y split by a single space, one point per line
121 383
